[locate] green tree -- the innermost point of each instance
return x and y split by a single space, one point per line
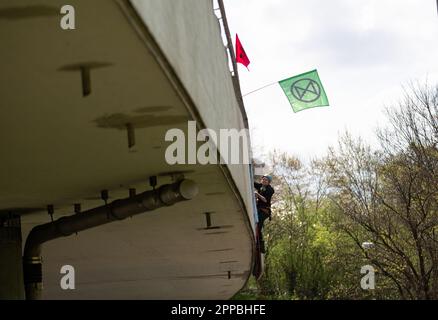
390 196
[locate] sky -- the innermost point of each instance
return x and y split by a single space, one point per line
365 52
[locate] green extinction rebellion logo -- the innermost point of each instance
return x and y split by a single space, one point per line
306 90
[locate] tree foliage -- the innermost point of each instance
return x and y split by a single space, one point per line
325 211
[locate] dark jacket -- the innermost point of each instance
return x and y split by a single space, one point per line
265 191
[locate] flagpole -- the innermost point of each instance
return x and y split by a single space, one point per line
268 85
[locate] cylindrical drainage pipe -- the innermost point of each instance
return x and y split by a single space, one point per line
166 195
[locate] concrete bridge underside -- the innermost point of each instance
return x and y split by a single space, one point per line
147 69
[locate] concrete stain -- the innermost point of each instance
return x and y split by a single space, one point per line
120 120
85 64
28 12
153 109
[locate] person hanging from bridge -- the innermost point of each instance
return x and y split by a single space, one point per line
263 194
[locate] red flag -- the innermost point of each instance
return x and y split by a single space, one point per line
241 56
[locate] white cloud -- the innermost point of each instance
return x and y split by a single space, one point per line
364 50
